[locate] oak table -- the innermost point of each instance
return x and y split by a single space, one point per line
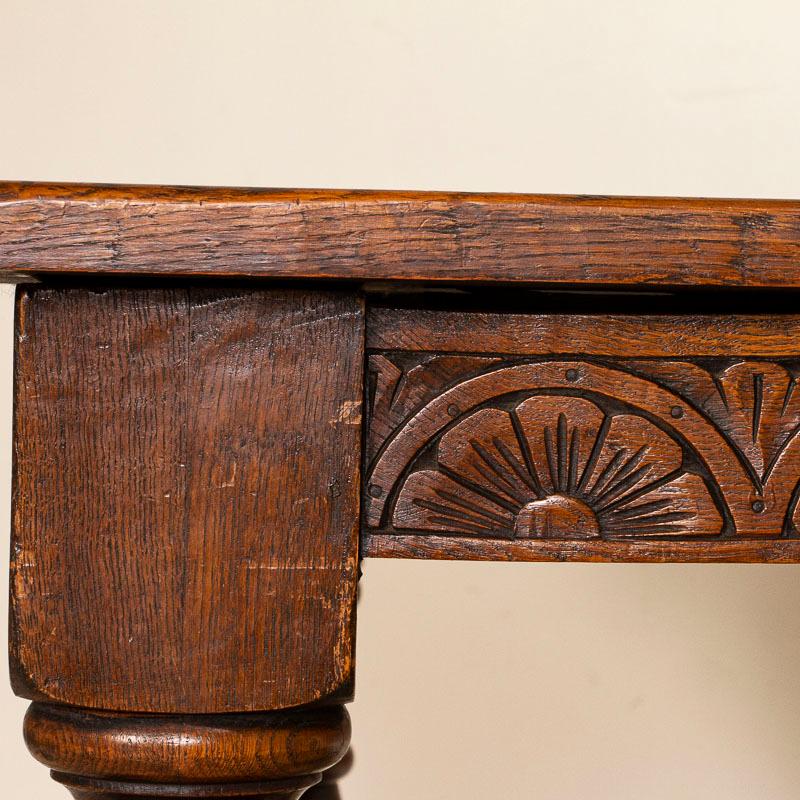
225 398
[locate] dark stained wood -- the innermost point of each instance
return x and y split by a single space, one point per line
92 789
188 454
557 467
574 445
186 497
398 236
328 787
450 548
602 334
165 751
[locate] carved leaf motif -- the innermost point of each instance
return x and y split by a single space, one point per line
484 450
679 506
755 403
384 376
560 452
557 467
796 517
763 410
433 501
398 393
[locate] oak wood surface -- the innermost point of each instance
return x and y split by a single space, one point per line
188 455
398 236
580 437
452 548
599 334
193 748
186 497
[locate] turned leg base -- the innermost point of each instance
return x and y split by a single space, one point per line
106 756
91 789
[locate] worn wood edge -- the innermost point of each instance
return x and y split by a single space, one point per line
449 548
398 236
538 334
344 690
22 682
11 191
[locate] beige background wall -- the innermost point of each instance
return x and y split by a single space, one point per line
559 682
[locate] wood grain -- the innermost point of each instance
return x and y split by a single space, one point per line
398 236
186 497
188 455
226 748
602 334
448 548
582 437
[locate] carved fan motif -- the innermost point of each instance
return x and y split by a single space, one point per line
557 467
763 410
753 402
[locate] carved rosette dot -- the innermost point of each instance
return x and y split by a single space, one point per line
557 467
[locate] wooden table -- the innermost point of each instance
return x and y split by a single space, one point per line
226 398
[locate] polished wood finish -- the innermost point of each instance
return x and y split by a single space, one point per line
272 753
328 787
190 375
618 438
398 236
185 531
172 469
698 335
451 548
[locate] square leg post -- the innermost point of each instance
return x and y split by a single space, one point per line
185 533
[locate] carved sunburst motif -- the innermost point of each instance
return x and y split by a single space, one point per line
557 467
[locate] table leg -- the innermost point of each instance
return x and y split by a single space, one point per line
185 536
